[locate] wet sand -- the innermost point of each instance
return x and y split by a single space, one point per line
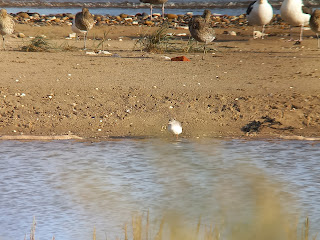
244 87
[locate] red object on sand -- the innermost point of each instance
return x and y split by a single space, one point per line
181 58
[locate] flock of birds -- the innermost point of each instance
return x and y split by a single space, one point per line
259 13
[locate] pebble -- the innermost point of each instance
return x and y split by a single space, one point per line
91 53
172 16
21 35
166 58
181 34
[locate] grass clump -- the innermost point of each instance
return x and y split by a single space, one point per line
38 44
156 42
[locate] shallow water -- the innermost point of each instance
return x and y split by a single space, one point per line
72 187
136 3
130 11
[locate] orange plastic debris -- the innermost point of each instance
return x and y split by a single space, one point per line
181 58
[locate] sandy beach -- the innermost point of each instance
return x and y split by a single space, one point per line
243 87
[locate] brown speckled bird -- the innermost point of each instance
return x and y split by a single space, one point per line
201 30
315 24
6 25
84 22
155 2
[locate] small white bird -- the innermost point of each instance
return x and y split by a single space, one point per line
259 13
315 24
294 13
175 127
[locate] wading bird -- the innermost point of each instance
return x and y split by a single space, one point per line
175 127
201 30
84 22
315 24
6 25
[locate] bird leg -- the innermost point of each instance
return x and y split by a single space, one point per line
253 32
204 51
150 12
85 39
262 33
163 10
301 32
318 40
290 34
3 43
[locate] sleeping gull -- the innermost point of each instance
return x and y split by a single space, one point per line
294 13
259 13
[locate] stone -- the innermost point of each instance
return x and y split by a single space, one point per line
23 15
128 19
172 16
122 15
21 35
148 23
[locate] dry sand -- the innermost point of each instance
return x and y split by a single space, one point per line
265 88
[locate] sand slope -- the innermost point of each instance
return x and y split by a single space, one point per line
258 87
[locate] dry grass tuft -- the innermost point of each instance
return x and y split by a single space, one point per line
156 42
38 44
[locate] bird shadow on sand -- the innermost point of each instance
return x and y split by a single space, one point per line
230 40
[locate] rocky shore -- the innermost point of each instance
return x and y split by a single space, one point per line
220 21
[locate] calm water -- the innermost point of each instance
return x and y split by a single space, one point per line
72 187
170 3
131 7
130 11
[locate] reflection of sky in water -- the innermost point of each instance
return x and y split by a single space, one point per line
72 187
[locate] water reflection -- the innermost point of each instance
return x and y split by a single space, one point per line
72 187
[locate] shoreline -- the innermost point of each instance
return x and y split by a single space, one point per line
181 138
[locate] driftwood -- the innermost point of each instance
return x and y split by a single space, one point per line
300 138
32 137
